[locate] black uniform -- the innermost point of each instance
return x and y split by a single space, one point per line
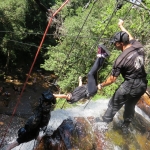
40 119
86 91
130 64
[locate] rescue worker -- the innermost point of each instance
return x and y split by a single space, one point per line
38 121
130 64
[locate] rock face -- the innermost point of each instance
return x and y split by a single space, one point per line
71 134
144 103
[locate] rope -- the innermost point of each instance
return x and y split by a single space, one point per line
18 101
83 25
87 103
123 19
74 43
78 34
36 33
144 7
110 18
23 43
114 11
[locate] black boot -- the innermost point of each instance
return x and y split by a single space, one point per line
125 127
108 116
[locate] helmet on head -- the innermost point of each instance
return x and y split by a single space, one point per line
120 37
21 132
48 97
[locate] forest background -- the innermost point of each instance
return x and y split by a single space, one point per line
70 46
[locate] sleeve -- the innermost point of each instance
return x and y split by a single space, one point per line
116 70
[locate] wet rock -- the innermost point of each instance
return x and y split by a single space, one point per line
144 103
71 134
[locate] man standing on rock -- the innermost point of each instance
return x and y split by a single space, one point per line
130 64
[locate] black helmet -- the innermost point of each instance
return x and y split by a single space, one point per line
21 132
120 37
48 97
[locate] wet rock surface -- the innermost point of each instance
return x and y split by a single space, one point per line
103 138
74 134
71 134
144 103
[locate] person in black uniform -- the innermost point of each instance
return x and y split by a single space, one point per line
38 121
90 89
130 64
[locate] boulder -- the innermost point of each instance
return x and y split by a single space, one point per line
144 103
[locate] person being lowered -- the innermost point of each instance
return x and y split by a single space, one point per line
39 120
90 89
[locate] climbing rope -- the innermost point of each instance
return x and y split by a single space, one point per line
75 41
70 50
118 6
109 72
18 101
78 35
143 6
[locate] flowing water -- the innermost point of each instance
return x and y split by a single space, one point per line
111 139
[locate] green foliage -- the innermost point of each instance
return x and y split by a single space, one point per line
79 53
82 26
83 30
21 25
14 27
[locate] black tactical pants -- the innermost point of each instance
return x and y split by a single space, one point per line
92 76
128 95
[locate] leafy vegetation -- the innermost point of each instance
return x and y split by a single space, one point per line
70 46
